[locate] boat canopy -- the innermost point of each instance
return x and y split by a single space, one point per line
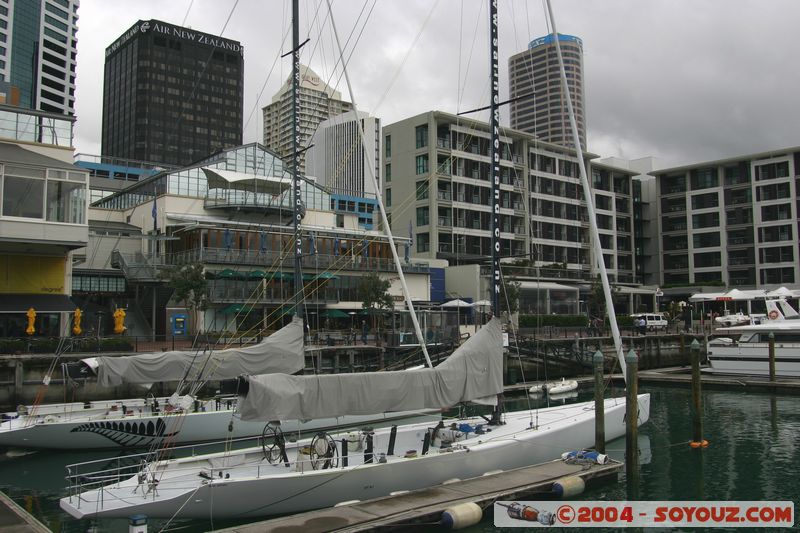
474 372
280 352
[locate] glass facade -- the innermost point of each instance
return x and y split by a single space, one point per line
24 47
53 195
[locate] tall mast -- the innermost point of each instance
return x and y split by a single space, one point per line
587 193
296 199
494 125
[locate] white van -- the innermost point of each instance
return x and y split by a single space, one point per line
653 321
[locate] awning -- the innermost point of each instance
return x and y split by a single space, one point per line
237 309
41 303
335 313
239 181
530 285
633 290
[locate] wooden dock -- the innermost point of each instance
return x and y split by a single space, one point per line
682 375
14 519
426 505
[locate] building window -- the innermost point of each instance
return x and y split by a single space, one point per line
422 190
423 242
772 171
704 178
388 172
388 197
66 202
423 216
23 197
387 146
422 164
421 134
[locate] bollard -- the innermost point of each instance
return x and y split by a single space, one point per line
771 356
599 404
632 426
697 402
137 523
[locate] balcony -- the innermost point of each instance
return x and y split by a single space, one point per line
445 221
443 142
276 261
443 196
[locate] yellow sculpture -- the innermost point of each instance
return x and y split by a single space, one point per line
76 322
119 321
31 314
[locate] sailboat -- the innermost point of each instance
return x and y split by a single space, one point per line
179 419
282 476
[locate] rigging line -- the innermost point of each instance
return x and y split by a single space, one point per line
266 80
208 62
408 54
514 333
504 102
475 33
384 218
594 233
183 22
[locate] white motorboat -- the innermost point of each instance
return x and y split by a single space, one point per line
745 349
554 387
732 319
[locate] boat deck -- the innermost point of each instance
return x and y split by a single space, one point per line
426 505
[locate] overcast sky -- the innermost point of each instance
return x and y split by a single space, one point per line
682 80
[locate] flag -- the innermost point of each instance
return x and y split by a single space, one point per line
312 244
336 246
228 239
366 248
263 242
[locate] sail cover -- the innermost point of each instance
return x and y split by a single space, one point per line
473 372
280 352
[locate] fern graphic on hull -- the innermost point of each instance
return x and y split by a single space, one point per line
126 433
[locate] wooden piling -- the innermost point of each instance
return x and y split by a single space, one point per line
599 403
697 402
632 425
683 347
771 356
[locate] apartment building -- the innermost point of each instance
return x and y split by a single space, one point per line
731 222
437 190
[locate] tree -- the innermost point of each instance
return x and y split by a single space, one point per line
374 293
189 282
509 296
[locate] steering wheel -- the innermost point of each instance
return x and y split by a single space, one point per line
324 453
272 442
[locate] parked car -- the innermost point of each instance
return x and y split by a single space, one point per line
652 321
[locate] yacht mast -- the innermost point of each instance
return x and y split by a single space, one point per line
494 132
296 197
587 193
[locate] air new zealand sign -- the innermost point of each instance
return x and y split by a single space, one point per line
174 32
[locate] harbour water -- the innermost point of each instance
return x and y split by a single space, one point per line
754 454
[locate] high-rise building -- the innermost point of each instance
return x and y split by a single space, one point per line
536 72
337 158
318 102
38 49
172 95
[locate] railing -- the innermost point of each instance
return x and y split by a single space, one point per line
444 221
275 260
136 266
443 195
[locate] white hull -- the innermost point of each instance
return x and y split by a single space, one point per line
71 427
752 359
245 485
